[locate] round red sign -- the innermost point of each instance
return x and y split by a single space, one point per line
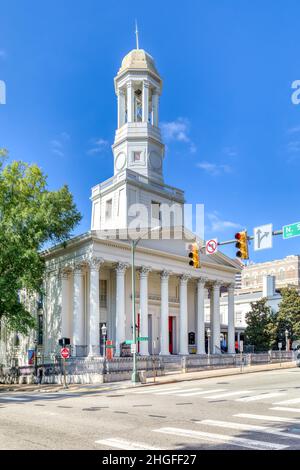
65 353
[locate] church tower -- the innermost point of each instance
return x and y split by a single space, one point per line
138 153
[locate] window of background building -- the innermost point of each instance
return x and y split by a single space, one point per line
155 210
137 156
103 293
108 209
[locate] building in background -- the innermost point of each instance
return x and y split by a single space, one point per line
286 272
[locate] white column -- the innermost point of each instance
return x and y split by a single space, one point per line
64 304
94 323
130 102
144 345
120 305
121 108
216 329
164 314
183 316
200 336
78 310
231 330
145 101
155 99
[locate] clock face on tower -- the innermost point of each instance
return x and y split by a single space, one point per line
155 161
120 161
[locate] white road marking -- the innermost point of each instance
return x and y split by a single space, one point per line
261 396
287 402
204 392
283 408
155 390
125 445
14 398
278 419
232 440
227 394
174 392
249 427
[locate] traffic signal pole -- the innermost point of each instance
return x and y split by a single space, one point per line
251 237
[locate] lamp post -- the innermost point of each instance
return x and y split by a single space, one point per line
134 243
286 340
104 333
35 357
208 341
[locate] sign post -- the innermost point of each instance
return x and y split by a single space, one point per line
280 348
65 354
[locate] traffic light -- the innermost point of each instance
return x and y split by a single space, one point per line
194 255
242 245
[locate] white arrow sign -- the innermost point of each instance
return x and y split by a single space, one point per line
263 237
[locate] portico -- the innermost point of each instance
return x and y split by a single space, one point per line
169 302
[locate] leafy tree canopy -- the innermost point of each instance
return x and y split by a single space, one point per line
30 217
289 314
261 324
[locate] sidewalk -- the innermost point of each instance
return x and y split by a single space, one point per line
206 374
165 379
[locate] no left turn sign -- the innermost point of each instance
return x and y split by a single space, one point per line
211 246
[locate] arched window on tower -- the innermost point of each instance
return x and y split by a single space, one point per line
138 106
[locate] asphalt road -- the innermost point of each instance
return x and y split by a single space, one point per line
250 411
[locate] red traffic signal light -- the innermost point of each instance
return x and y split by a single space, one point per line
242 245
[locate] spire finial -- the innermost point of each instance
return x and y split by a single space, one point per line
136 35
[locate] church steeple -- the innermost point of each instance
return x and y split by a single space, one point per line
138 145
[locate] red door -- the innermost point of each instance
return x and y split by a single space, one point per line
171 335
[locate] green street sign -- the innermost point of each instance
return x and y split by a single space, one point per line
143 338
292 230
129 341
109 346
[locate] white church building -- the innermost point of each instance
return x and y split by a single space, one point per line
88 280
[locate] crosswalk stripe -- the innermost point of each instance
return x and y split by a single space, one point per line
204 392
174 392
156 389
283 408
249 427
261 396
287 402
125 445
228 394
278 419
14 398
232 440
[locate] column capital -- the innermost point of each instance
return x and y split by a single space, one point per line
144 271
121 268
184 278
201 281
95 263
78 268
164 275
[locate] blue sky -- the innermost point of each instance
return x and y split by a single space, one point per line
232 132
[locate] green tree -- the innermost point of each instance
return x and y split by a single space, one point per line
289 315
31 216
260 326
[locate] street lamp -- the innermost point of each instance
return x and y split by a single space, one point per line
104 333
286 339
134 243
208 341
